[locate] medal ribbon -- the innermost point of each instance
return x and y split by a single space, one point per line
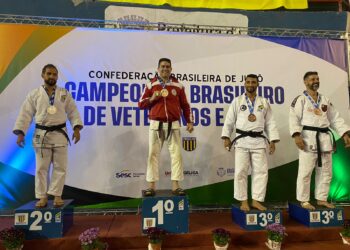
315 104
162 82
52 97
250 106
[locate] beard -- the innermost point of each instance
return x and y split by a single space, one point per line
251 90
315 86
51 82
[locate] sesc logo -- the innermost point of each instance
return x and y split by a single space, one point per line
123 174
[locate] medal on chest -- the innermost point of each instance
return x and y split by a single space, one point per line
316 105
164 92
317 112
251 116
51 110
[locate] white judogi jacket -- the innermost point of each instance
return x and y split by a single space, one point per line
36 104
302 114
237 118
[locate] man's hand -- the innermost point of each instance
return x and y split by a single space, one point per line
76 135
346 138
227 143
156 96
299 142
190 127
272 148
20 140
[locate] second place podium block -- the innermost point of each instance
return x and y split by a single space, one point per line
43 223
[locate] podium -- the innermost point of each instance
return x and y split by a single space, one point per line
255 219
320 217
165 211
44 223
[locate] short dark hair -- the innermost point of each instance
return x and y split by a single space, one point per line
164 60
253 76
48 66
309 73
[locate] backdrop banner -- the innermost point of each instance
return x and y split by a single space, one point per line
106 71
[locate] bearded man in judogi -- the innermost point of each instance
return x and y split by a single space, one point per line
311 115
50 106
250 116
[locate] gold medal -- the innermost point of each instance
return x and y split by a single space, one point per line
51 110
251 118
317 111
164 92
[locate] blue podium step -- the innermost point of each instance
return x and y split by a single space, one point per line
44 223
320 217
255 219
166 211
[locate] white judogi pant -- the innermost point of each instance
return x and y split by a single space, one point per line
323 177
44 157
156 141
256 158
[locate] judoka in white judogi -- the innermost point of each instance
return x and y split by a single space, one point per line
311 116
50 106
251 117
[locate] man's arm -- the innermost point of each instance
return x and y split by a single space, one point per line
338 123
295 127
24 119
229 125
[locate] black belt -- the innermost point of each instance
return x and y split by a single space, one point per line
253 134
318 144
160 128
58 128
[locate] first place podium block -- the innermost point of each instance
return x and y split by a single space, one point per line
255 219
43 223
320 217
165 211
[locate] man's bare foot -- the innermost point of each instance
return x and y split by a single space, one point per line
41 203
245 206
307 205
58 202
325 204
257 205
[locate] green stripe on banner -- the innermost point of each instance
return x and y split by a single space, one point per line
340 187
223 4
38 41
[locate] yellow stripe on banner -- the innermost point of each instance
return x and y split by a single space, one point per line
223 4
12 38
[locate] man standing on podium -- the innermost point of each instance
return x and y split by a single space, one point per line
50 106
166 100
251 117
311 115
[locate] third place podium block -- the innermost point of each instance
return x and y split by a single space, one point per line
255 219
320 217
166 211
